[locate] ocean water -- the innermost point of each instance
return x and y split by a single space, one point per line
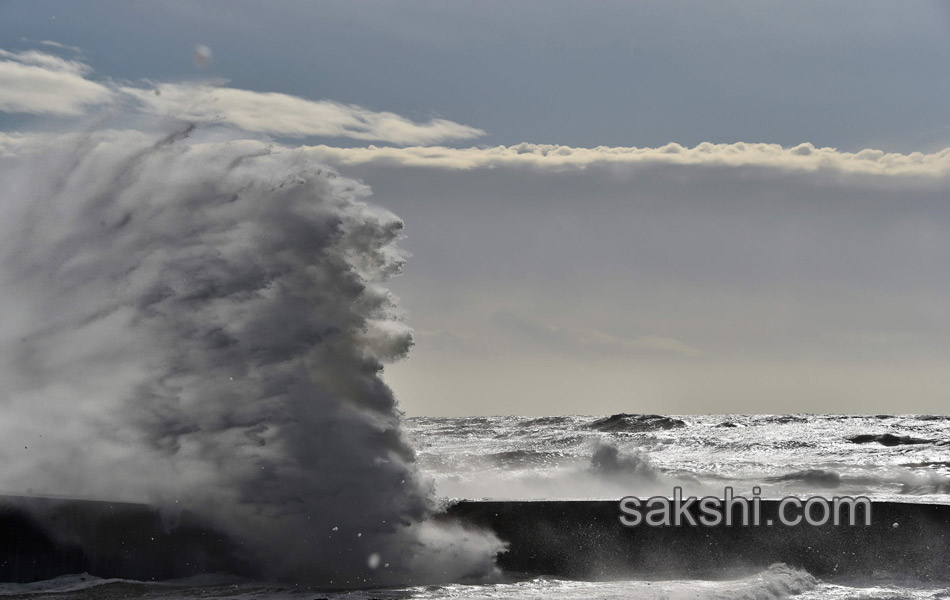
585 457
778 581
903 458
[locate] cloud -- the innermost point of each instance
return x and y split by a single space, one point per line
283 114
60 46
46 61
803 157
39 83
587 341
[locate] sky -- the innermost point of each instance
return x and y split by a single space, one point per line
609 206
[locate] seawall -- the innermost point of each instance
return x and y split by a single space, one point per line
41 538
585 540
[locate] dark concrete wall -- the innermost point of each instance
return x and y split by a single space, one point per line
582 539
41 538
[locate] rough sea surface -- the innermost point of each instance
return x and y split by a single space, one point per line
904 458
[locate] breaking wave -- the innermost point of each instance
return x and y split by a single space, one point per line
201 322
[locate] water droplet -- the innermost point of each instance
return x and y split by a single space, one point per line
202 56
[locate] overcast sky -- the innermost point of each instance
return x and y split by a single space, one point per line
610 206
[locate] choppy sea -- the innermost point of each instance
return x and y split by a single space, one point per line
885 457
904 458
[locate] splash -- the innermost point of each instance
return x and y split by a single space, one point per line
202 323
